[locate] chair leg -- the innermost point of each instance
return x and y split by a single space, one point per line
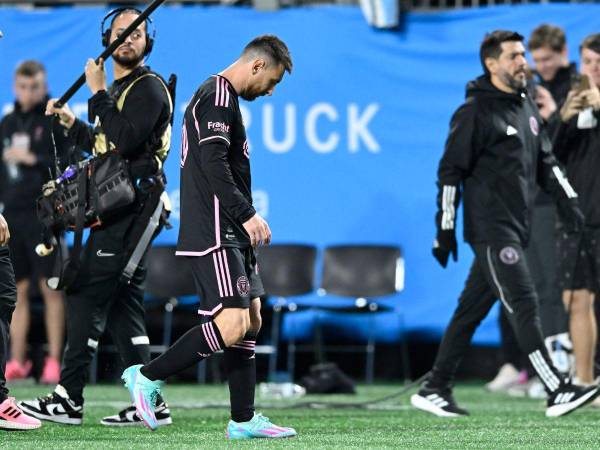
274 340
201 372
94 369
370 366
291 358
404 351
168 322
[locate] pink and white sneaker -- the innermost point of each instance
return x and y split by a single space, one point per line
17 371
12 418
51 372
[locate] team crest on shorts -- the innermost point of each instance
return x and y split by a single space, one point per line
243 286
533 124
509 255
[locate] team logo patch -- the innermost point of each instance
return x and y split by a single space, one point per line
508 255
243 286
533 124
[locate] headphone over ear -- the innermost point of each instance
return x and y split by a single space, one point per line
113 14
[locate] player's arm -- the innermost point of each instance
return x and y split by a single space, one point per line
552 179
129 128
454 165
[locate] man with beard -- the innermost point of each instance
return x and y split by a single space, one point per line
134 117
219 230
495 155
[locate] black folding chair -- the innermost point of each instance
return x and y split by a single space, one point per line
365 273
286 270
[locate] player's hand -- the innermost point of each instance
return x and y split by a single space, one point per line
19 155
65 115
444 245
574 104
571 215
258 230
545 102
4 232
95 76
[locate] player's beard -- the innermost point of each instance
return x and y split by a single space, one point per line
128 62
512 81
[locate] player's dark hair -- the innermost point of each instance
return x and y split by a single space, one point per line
491 46
549 36
273 48
30 68
591 42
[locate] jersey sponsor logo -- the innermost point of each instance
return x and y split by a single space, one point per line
219 127
511 131
533 124
509 255
243 286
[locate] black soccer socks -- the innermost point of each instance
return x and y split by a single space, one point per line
240 364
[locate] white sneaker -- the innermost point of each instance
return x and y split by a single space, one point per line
507 376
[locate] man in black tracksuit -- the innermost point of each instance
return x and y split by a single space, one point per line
134 116
549 87
495 155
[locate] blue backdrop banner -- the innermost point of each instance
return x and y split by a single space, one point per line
346 150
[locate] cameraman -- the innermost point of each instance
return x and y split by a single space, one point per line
134 115
577 145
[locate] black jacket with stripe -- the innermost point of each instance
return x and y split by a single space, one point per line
495 154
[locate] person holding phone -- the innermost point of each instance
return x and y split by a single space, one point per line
577 146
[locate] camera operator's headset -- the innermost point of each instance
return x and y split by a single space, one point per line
106 33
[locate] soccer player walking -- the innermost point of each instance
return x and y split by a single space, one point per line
219 229
495 154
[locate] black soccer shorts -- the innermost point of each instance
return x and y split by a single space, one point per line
226 278
579 260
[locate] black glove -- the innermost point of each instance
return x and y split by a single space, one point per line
443 245
571 216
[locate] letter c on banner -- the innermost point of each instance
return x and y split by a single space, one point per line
310 128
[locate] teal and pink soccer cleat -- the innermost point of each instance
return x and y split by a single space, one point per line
259 427
12 418
143 394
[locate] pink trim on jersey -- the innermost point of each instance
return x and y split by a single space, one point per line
217 236
222 92
218 90
214 137
212 312
196 119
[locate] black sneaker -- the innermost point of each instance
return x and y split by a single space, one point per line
55 407
128 417
568 397
439 402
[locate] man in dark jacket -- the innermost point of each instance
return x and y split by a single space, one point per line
134 116
495 155
549 87
577 145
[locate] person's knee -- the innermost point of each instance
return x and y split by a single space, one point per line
255 317
582 302
233 324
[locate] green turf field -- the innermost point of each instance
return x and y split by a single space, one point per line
496 422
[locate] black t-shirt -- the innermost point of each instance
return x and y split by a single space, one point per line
216 197
20 184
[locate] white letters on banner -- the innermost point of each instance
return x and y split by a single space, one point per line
323 125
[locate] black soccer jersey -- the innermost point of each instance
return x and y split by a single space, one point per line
216 197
